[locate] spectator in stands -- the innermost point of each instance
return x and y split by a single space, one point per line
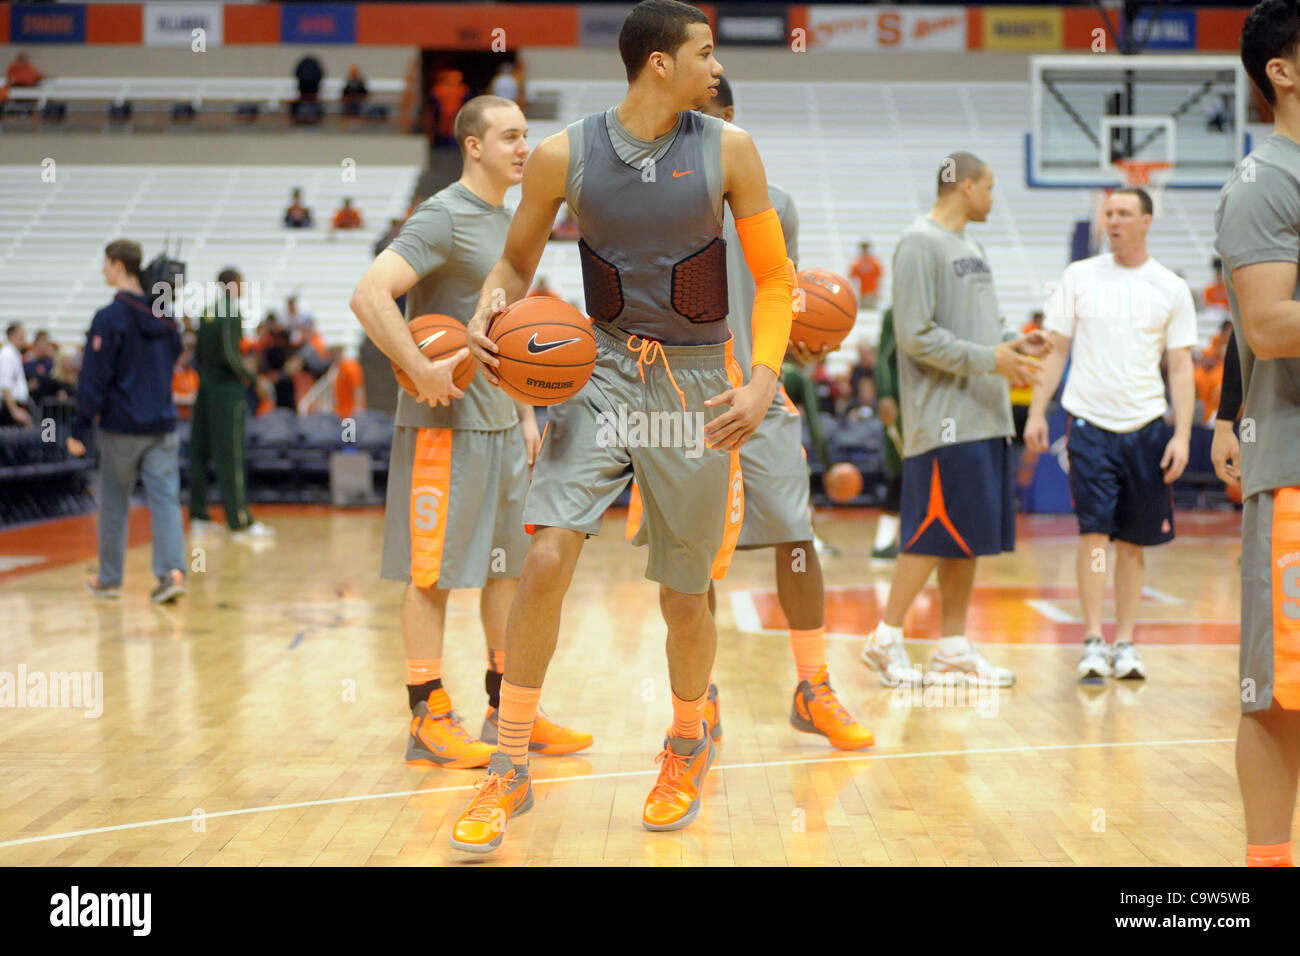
354 92
803 393
1035 322
293 316
863 403
447 97
185 384
349 386
22 73
309 73
220 415
311 349
297 216
14 396
1215 295
349 217
1219 344
63 380
505 83
1208 377
38 366
125 384
866 272
542 287
865 367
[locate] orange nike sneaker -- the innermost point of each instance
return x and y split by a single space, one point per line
548 738
439 739
816 711
713 714
675 799
506 790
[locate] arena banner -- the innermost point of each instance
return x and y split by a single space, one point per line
1220 29
885 28
1085 30
1023 28
1174 30
598 24
318 23
478 26
31 23
173 24
115 23
252 23
741 24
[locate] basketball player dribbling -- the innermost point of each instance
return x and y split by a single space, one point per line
646 181
1257 228
458 467
775 475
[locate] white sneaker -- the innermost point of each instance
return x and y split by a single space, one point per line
203 526
968 667
254 530
1095 662
891 662
1126 663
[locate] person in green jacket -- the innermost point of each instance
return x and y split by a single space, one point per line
220 420
886 545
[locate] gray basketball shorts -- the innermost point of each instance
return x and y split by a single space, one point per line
1270 600
775 469
641 414
454 514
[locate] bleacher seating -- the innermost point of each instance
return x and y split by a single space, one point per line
52 235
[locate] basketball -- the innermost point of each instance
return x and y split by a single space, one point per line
830 308
1233 490
437 337
843 483
546 348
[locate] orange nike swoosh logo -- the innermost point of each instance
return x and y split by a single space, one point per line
677 175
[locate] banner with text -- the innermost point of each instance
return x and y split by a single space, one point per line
174 24
886 28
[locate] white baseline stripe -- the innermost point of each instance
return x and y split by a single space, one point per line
1029 748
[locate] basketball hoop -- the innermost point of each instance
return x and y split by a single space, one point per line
1144 172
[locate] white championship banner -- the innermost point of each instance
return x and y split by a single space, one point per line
173 24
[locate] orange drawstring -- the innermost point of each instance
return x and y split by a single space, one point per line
646 353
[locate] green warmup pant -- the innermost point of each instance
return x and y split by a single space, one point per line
219 433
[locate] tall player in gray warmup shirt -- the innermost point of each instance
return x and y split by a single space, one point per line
458 470
956 354
1257 225
646 181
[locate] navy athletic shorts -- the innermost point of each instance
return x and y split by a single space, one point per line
959 500
1116 483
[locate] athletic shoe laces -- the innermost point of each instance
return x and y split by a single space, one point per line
670 774
491 788
824 695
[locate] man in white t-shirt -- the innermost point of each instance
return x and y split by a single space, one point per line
1123 311
13 381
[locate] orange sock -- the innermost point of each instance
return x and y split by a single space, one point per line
1278 854
809 651
497 661
687 715
518 710
421 670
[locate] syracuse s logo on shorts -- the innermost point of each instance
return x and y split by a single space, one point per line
427 503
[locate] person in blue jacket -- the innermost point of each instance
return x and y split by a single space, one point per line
126 385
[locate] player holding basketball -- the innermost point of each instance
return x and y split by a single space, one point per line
1121 311
955 354
776 496
1257 225
647 180
458 467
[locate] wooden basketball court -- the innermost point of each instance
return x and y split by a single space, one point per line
262 720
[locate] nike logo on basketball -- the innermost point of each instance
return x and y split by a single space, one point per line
677 175
537 348
433 338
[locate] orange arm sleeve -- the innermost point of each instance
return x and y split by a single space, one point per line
764 246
